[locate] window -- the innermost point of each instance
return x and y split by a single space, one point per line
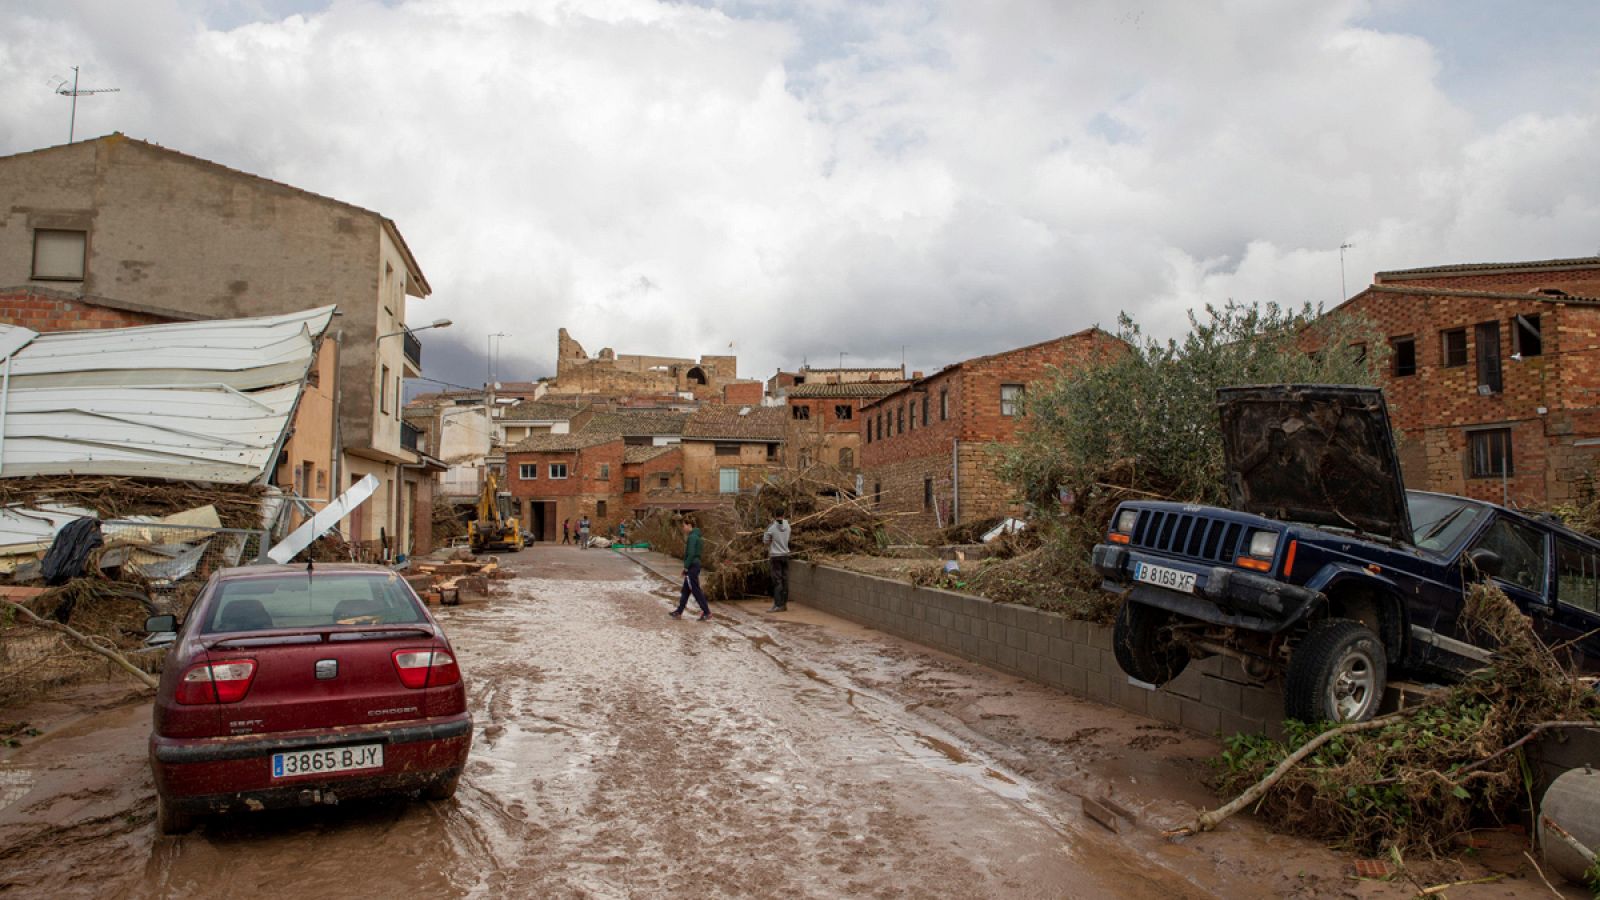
1453 347
944 404
322 481
528 471
1405 356
805 458
869 431
663 481
1487 335
1528 338
599 509
1358 353
924 410
1577 575
927 494
800 413
847 458
877 493
913 407
58 255
843 412
383 390
900 416
1521 550
880 426
630 485
727 449
558 470
1010 394
605 471
772 452
1491 452
727 481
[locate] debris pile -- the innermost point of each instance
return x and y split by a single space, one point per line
1420 777
460 576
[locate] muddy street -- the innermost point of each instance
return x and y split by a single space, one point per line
619 752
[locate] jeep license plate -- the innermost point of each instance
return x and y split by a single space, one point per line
1161 576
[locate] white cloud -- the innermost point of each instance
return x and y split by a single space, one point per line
807 179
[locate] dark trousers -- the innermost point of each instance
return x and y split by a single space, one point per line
779 567
691 585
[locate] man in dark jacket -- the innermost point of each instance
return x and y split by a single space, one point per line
691 573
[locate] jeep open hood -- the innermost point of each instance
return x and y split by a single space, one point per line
1314 453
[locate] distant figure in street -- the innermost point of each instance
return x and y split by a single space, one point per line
566 531
776 538
691 573
583 533
622 533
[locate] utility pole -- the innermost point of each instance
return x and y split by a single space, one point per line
842 355
488 362
1344 293
75 92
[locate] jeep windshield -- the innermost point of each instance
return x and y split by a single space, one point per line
1438 520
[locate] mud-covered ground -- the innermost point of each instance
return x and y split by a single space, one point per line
621 753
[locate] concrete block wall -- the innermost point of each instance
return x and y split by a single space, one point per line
1211 697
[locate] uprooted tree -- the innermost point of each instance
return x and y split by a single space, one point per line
1146 421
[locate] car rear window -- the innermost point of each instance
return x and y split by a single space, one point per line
307 601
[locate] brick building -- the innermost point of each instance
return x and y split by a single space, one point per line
929 450
731 449
778 385
1494 375
558 477
824 422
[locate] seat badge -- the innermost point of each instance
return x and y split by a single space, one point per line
327 668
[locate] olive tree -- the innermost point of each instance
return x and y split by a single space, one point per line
1147 420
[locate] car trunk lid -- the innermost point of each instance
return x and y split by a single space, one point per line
1318 454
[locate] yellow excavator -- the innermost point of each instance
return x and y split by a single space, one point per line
495 528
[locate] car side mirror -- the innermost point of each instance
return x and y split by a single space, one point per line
160 624
1484 560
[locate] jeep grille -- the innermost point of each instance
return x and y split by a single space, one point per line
1188 534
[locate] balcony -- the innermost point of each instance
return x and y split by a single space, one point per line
412 348
410 436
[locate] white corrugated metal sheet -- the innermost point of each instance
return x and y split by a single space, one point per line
195 401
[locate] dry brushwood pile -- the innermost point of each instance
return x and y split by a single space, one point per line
238 506
1418 778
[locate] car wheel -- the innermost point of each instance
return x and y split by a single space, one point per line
444 788
1336 674
1143 646
170 820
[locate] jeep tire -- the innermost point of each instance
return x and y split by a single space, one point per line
1337 673
1143 644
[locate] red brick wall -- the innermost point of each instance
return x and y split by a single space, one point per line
1436 408
44 313
743 393
648 472
579 493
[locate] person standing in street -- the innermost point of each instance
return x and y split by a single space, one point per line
583 533
566 531
692 545
776 538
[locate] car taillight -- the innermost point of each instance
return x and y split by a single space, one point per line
426 668
218 682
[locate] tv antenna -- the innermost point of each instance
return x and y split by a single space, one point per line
1344 294
75 92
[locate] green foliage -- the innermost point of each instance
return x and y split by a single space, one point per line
1148 420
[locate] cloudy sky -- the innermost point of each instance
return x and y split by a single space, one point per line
804 179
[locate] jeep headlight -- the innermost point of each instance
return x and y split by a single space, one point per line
1126 520
1263 544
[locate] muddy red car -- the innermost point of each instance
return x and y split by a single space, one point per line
294 686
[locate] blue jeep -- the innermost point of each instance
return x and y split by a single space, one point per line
1326 572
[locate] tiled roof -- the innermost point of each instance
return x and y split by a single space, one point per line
1578 262
738 423
645 454
542 410
635 423
1427 291
558 443
849 389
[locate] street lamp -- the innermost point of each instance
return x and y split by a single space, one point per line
437 323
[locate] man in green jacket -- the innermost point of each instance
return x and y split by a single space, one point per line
691 572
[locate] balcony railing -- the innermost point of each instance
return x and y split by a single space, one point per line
410 435
413 347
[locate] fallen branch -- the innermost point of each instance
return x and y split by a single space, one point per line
1208 821
88 643
1441 888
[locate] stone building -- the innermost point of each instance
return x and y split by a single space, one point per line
614 373
732 449
126 219
824 422
1494 375
778 385
929 451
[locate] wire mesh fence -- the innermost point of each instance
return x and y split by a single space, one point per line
142 569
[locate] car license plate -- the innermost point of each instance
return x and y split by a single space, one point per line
323 762
1161 576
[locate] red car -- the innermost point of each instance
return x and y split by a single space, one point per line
296 686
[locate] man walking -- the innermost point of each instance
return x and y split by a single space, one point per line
691 573
583 533
566 531
776 538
